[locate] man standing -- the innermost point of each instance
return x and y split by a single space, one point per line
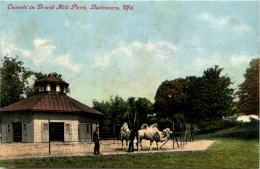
96 141
131 143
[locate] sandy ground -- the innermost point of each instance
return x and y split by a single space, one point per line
10 151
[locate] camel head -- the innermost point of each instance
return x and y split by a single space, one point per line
167 132
125 128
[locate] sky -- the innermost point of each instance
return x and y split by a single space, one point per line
103 53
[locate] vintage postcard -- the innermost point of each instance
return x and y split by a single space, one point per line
129 84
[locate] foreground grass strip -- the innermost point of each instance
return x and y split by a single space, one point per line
225 153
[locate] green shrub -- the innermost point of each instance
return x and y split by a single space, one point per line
209 127
247 130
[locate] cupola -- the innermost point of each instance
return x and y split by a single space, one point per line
52 84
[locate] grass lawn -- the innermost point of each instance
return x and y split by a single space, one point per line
225 153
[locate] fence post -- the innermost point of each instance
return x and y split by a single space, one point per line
173 135
49 137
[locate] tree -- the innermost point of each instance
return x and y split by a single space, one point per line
132 112
115 114
14 80
214 98
143 108
138 111
117 111
248 92
169 100
195 99
192 115
32 90
105 121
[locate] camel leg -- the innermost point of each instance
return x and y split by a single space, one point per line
141 144
192 137
157 145
186 136
151 143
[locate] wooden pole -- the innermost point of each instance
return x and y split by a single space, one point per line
173 135
182 135
49 137
164 143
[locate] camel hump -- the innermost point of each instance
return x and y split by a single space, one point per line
144 126
154 125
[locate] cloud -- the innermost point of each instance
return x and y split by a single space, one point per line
138 67
220 23
103 60
243 58
78 24
7 51
208 61
66 61
240 28
215 22
41 42
7 44
159 49
43 52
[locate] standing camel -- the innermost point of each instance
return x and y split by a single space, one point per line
153 134
124 134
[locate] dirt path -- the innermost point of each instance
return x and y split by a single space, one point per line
107 147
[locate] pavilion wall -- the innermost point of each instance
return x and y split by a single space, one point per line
41 120
26 120
81 126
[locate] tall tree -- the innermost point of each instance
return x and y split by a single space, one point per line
138 111
169 100
192 115
214 98
132 112
195 99
248 92
14 80
143 108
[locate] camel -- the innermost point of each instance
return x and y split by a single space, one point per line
153 134
124 134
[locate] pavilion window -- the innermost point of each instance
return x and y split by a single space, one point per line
89 128
25 129
9 129
45 128
67 128
53 87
